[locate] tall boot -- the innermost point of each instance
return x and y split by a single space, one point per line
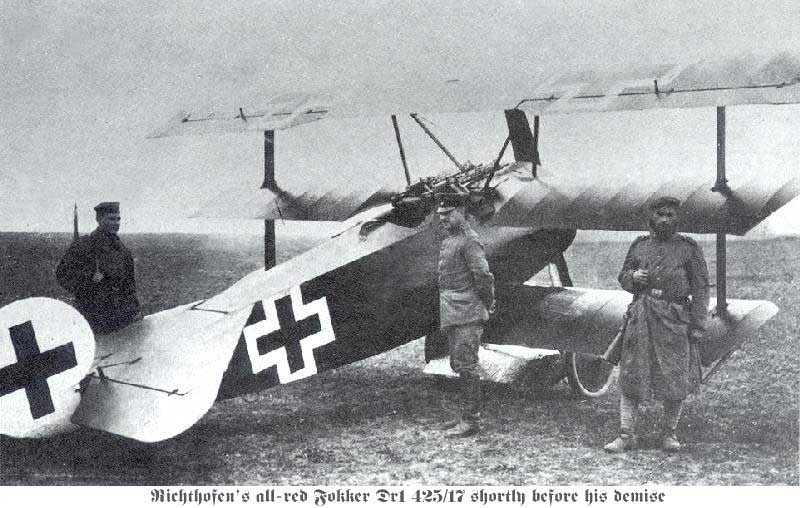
470 406
672 414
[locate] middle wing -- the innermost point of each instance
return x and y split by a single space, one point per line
592 202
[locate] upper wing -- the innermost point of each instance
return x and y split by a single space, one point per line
741 80
593 202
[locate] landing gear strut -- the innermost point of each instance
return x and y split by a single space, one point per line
588 375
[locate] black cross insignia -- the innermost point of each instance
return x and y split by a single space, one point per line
289 334
33 368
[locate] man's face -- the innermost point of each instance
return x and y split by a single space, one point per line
664 220
451 220
109 222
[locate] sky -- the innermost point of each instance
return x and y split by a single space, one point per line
85 82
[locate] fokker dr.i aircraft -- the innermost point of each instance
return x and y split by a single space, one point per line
371 286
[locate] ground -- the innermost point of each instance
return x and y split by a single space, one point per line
371 423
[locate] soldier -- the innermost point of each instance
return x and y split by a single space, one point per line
667 274
466 298
98 270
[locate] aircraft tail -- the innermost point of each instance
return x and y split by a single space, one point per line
46 350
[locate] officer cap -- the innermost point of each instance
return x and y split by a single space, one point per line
449 202
107 207
666 201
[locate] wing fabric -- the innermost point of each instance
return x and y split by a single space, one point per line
593 202
741 80
308 206
587 320
280 112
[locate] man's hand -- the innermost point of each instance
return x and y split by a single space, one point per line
492 307
640 277
696 335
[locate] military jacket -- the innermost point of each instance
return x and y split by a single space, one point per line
110 303
677 270
466 286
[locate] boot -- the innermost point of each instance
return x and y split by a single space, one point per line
670 442
624 442
463 429
449 424
470 406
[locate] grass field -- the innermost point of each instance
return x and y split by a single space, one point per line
371 423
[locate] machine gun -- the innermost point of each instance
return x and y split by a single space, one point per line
469 186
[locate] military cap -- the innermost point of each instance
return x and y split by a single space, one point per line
449 202
107 207
665 201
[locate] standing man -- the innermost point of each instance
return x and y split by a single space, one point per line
667 274
98 270
466 298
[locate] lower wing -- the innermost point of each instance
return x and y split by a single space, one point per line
587 320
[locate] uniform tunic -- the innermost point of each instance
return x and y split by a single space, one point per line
466 286
466 291
656 350
110 303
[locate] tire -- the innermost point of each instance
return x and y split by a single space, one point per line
588 375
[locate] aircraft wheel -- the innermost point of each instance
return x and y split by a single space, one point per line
588 375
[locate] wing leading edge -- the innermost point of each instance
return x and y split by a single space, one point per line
592 202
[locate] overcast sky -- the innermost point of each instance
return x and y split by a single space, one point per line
84 82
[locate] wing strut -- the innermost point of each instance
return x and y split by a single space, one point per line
438 143
721 186
524 142
75 234
400 146
269 183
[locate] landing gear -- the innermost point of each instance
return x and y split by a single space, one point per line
588 375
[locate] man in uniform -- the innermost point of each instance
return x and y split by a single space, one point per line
98 270
667 274
466 298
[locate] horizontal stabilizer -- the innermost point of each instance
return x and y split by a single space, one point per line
157 377
592 202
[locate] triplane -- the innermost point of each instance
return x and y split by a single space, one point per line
371 286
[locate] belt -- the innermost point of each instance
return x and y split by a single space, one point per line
661 295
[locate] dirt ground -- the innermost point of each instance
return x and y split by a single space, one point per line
371 423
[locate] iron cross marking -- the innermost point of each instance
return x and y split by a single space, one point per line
33 368
289 334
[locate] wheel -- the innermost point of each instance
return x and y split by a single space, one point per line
588 375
